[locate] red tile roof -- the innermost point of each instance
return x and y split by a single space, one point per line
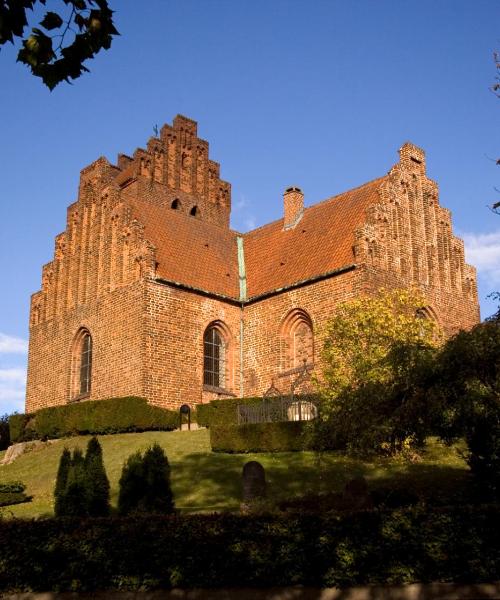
204 256
321 241
190 251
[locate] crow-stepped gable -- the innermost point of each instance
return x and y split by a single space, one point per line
151 294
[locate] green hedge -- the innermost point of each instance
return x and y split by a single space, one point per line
287 436
419 544
202 414
224 412
115 415
17 424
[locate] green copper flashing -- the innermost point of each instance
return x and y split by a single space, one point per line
241 269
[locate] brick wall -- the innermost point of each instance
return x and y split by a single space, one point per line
148 334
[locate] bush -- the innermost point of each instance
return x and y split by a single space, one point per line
12 492
98 417
145 484
17 424
82 487
417 544
203 415
4 432
97 480
285 436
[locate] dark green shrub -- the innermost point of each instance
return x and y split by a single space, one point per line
82 487
12 492
483 441
61 483
97 480
203 414
12 487
372 547
285 436
98 417
17 424
75 496
145 484
4 432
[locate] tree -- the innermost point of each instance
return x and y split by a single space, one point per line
88 24
97 480
378 355
468 385
82 487
4 432
145 484
75 502
61 483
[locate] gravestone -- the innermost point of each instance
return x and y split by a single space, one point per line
254 483
356 495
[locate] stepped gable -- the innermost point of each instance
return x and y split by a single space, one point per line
320 242
190 251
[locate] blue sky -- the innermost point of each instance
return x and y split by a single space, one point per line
318 94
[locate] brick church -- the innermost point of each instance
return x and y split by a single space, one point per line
151 294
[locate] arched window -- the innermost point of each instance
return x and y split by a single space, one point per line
195 211
297 340
214 358
176 204
86 364
81 367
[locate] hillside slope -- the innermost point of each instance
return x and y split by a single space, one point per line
206 481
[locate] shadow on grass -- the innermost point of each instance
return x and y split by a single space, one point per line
212 482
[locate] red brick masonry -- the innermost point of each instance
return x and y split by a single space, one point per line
147 262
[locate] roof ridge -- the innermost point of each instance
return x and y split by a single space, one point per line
320 203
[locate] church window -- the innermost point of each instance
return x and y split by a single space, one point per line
176 204
86 364
297 340
195 211
214 358
81 365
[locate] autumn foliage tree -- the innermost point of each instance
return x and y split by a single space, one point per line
378 355
56 50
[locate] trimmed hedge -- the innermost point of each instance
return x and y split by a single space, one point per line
202 414
285 436
12 492
115 415
224 412
419 544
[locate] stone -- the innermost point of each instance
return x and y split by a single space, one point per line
254 482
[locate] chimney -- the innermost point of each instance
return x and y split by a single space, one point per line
293 200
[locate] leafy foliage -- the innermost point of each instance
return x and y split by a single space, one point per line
114 415
417 544
378 355
468 390
285 436
51 57
4 432
82 487
145 484
97 481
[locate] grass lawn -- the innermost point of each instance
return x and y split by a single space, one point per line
206 481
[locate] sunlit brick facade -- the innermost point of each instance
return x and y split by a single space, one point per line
150 293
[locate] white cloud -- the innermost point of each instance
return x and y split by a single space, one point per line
483 251
12 345
12 389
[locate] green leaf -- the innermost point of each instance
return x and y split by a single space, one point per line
51 21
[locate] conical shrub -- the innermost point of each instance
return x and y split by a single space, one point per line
97 480
145 484
61 483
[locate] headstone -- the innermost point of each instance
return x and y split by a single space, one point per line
254 482
356 495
